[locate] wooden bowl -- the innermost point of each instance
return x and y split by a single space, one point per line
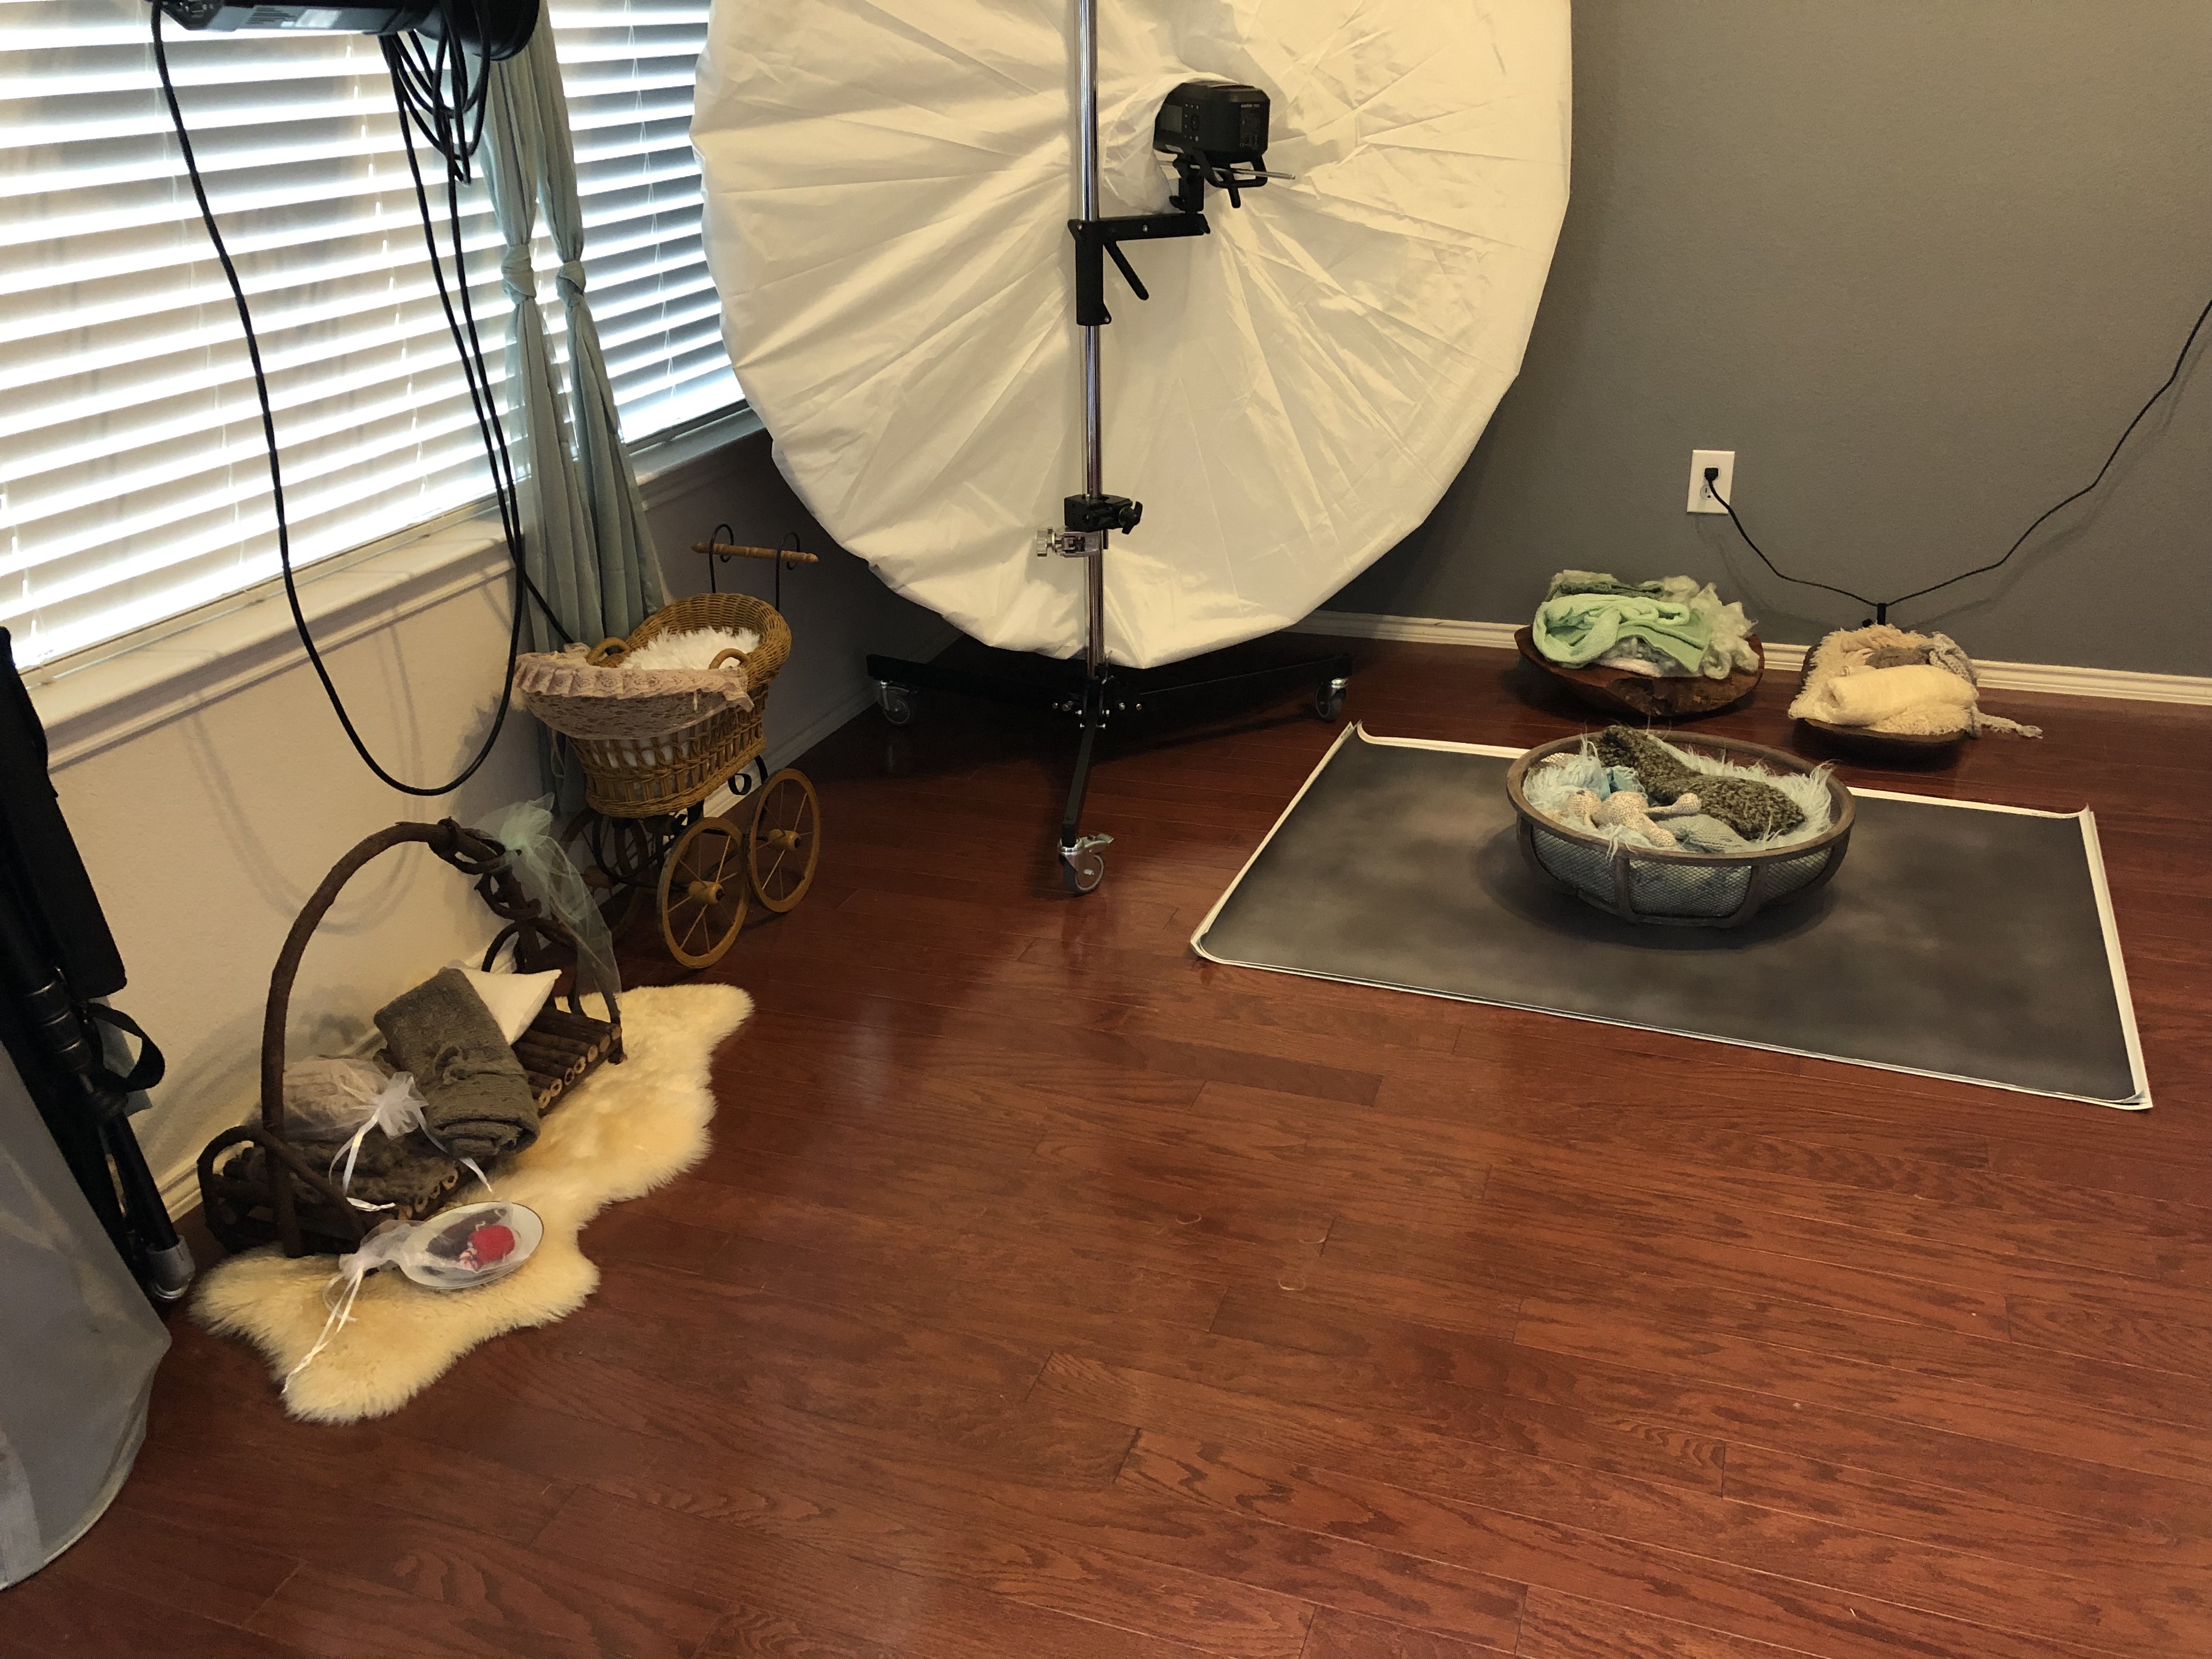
1647 696
1891 748
1894 748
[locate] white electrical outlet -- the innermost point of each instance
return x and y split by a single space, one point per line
1701 497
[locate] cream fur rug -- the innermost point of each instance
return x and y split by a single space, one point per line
625 1130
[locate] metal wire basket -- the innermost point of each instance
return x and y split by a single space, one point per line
1659 887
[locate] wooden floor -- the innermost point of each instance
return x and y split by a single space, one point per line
1049 1293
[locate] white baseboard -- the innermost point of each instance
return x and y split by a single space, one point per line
2056 678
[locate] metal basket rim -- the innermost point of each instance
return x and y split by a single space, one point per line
1845 808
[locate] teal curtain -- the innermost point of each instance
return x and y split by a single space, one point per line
585 541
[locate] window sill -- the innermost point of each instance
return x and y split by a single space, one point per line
111 693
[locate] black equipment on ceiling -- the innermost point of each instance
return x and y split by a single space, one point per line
492 28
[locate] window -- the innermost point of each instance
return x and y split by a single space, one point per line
133 485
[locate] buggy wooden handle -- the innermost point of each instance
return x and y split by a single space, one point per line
730 550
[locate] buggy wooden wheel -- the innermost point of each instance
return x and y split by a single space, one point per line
785 842
617 858
703 893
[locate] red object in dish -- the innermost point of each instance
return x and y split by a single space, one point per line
488 1245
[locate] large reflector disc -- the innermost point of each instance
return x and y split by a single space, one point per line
889 184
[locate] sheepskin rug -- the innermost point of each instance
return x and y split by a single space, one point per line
623 1131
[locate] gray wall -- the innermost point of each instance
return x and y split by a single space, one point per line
1916 262
839 612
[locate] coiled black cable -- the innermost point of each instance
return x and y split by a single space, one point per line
448 125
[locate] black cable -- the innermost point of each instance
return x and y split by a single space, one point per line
478 376
1881 606
276 475
452 124
479 394
1712 476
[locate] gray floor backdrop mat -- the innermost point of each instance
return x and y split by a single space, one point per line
1960 941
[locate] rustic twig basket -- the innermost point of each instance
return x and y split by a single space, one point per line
284 1196
1665 889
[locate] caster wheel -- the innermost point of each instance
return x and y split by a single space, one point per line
784 842
1328 699
1082 866
896 703
703 893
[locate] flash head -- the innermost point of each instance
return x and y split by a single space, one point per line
1217 130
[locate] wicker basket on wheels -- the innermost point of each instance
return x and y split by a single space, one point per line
1673 889
647 773
650 763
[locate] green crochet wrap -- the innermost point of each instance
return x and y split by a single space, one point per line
1745 804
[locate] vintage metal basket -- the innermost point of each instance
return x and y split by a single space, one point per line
648 775
1680 889
256 1185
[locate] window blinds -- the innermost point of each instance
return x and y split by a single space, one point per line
132 481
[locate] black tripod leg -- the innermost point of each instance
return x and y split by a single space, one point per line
1082 866
169 1267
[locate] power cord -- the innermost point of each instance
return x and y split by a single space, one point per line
445 126
421 80
1881 606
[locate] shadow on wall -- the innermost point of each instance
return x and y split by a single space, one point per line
838 610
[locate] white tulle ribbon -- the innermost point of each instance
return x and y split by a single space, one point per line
343 1289
398 1109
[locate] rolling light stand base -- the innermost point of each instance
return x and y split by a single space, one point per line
1095 701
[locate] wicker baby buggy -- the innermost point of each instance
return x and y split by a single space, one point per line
650 764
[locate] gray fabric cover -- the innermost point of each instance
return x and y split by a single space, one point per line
78 1345
585 542
1961 941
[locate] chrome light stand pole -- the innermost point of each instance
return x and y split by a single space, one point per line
1094 429
1090 518
1082 865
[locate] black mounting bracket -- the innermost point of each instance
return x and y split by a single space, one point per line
1097 239
1086 513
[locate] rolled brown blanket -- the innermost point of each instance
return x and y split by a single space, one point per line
478 1095
408 1174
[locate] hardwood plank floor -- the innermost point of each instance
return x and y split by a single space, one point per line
1049 1291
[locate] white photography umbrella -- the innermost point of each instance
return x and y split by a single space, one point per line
889 188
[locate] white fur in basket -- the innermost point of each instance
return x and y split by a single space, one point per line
692 647
1883 679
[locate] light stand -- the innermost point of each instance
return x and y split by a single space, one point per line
1217 133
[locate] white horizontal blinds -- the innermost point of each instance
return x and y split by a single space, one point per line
130 444
133 484
628 71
